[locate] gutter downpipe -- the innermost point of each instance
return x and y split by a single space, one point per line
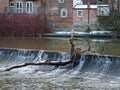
88 6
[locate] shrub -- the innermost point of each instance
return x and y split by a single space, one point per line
22 25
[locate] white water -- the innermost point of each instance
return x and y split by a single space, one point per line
92 73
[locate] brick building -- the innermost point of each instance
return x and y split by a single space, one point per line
21 18
85 13
24 6
58 14
68 14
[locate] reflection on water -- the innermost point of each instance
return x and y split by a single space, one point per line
105 46
34 43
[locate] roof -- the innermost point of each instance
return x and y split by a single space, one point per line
83 6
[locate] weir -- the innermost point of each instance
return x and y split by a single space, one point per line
18 56
93 63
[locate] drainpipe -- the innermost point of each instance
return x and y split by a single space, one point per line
8 7
88 11
88 6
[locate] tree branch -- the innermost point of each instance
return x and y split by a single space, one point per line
46 62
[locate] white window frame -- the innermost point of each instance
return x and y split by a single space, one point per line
29 9
78 13
62 11
103 11
78 2
19 9
11 4
61 1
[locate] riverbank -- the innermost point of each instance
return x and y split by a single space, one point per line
92 34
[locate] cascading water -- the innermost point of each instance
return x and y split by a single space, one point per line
78 68
92 71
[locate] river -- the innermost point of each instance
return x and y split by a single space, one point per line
100 74
105 46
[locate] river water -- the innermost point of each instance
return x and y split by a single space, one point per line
105 46
100 73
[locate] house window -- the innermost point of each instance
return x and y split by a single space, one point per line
61 1
63 13
19 7
79 2
11 4
79 13
103 11
29 7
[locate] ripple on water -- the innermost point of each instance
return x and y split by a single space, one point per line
36 81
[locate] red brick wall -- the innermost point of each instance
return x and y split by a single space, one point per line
93 16
36 3
3 5
84 18
54 8
36 6
91 1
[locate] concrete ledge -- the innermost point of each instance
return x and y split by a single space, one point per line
83 34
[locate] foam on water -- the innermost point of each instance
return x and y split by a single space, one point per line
92 72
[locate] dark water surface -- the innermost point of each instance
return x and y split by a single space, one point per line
105 46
